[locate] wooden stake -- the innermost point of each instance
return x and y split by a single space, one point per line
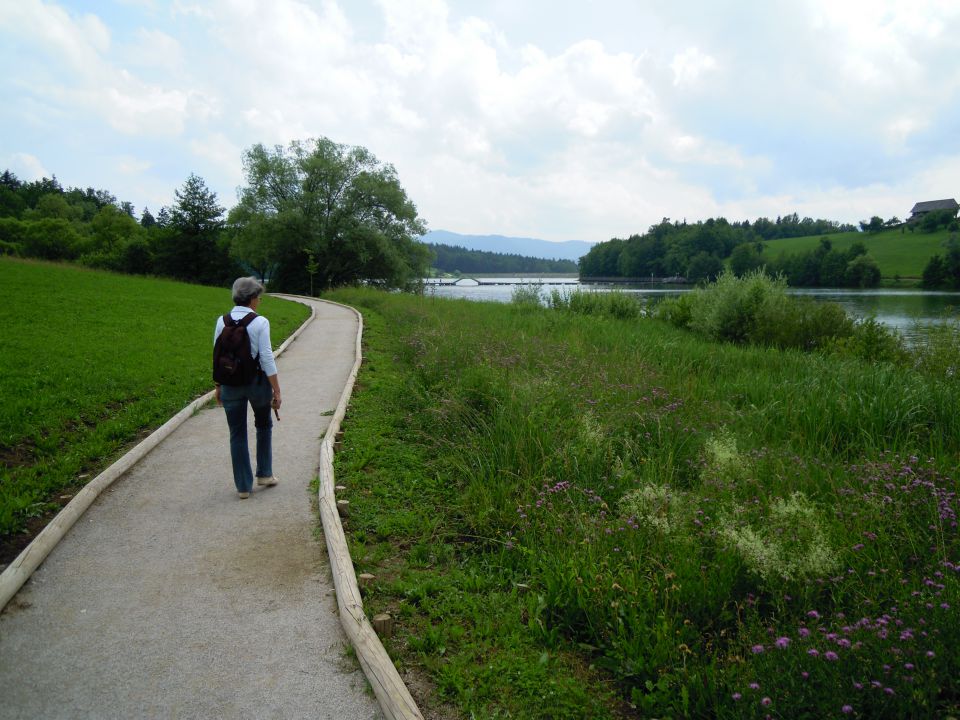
383 625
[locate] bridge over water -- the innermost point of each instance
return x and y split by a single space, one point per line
468 281
471 281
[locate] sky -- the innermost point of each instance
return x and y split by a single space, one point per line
553 119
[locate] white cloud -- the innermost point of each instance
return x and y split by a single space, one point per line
689 65
27 167
87 82
900 129
132 166
223 154
500 127
155 49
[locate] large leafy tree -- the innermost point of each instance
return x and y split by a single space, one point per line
333 207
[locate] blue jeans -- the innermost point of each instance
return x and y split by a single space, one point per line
235 398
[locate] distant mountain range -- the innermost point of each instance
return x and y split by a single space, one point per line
529 247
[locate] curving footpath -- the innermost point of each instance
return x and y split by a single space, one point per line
172 598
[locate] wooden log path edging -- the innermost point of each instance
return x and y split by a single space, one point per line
392 694
22 567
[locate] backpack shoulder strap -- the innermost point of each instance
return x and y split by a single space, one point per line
247 319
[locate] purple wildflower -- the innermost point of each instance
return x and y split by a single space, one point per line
754 686
736 696
831 655
756 649
782 642
813 652
766 702
846 709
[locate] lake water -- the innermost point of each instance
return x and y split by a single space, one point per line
897 308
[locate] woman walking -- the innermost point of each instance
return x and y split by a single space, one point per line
262 392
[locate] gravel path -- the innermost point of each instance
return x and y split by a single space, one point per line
172 598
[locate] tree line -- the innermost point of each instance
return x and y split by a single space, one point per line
700 251
454 259
313 215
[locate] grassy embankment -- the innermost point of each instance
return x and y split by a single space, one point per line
92 362
583 517
897 252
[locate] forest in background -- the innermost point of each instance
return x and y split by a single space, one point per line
318 215
700 251
456 259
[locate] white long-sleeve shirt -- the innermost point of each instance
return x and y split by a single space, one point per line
259 332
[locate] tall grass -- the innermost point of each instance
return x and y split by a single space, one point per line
615 304
719 530
91 361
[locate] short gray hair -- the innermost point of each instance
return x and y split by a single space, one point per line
246 289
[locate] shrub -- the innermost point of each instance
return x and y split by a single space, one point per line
9 248
11 231
863 272
51 239
871 340
936 351
801 324
676 310
728 309
526 295
615 304
756 309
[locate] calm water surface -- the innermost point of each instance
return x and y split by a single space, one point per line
900 309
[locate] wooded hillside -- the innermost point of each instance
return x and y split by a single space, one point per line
452 259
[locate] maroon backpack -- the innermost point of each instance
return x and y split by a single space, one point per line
233 363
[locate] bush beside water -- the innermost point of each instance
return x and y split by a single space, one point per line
591 508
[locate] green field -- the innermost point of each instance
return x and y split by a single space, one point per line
93 361
898 253
576 516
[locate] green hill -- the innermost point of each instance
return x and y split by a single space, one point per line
897 251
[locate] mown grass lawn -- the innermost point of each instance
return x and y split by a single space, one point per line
583 517
898 252
91 362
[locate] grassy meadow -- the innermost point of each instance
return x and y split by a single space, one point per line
897 251
576 516
92 362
